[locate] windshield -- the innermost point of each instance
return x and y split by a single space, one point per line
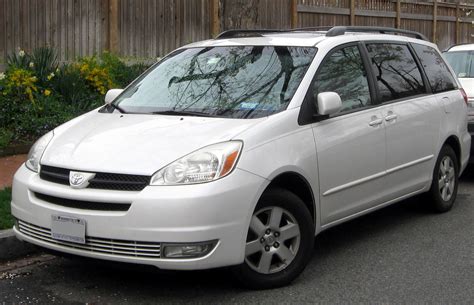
462 63
234 82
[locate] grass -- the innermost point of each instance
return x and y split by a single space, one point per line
6 219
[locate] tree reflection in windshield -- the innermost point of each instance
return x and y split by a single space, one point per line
240 82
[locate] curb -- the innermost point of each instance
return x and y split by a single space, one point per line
12 248
15 150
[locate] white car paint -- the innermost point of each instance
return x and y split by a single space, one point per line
93 142
466 82
352 167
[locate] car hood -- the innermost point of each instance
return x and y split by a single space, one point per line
137 144
468 86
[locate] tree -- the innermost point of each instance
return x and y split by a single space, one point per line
239 14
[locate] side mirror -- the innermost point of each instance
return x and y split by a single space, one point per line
111 95
329 103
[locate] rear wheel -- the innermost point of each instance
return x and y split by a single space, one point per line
444 186
279 241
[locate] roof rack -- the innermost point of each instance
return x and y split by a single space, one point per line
259 32
331 31
341 30
246 33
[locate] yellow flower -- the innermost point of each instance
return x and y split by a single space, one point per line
32 65
22 81
47 92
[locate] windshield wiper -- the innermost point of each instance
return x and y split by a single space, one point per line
183 113
120 109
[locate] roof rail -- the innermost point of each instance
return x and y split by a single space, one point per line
341 30
313 28
246 33
331 31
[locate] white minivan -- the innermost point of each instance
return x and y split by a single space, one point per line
461 59
238 151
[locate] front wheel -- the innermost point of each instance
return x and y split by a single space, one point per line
279 241
444 186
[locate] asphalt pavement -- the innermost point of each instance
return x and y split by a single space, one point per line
398 255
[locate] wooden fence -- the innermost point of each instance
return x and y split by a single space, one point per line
444 23
151 28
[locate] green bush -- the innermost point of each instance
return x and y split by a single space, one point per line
44 64
74 90
5 137
20 60
37 94
121 73
6 219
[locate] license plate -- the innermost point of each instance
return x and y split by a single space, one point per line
68 228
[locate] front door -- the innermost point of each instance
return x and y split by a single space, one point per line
350 144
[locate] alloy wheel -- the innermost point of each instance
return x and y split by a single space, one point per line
446 178
273 240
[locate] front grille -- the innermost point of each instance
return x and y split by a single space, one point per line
84 205
54 174
116 247
104 181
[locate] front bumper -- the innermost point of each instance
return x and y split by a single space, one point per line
219 210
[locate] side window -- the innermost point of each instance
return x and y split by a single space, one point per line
343 72
396 71
435 68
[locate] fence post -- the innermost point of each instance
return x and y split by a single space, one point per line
435 16
215 21
456 40
398 22
352 11
294 13
114 46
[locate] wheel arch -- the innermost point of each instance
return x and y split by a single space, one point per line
298 185
455 144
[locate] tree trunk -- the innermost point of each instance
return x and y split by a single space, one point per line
239 14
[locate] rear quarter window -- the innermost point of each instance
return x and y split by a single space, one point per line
439 76
396 71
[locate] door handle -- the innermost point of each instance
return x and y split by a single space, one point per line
391 117
375 121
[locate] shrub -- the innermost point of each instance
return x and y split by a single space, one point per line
74 90
96 74
20 60
121 73
36 94
5 137
44 64
28 122
21 83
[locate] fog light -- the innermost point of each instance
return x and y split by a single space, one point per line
187 250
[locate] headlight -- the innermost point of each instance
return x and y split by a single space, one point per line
204 165
36 151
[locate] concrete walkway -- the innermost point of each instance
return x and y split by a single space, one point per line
8 167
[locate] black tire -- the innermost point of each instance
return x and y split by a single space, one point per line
435 196
291 205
